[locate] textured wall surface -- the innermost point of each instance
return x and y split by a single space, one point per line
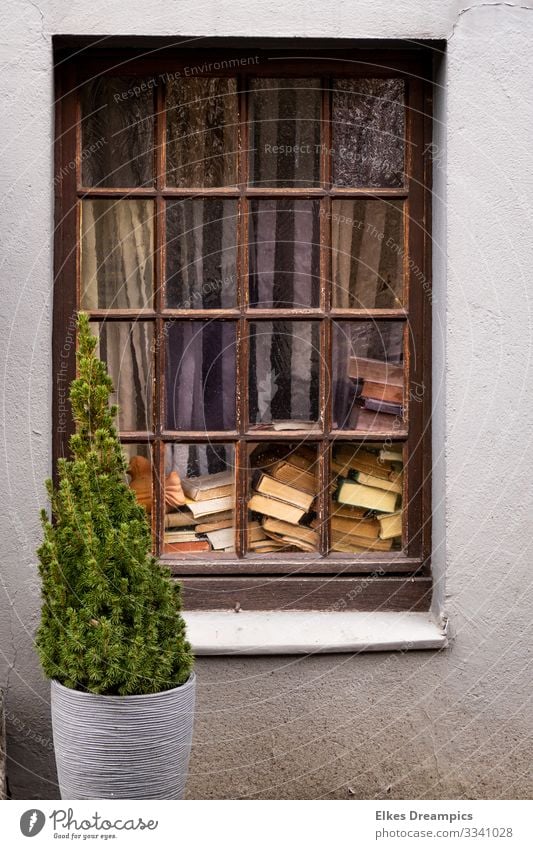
416 724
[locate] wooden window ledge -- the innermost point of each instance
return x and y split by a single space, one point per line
254 632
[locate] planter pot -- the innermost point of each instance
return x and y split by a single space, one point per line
123 747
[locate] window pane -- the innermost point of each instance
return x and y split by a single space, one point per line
200 375
282 499
117 132
368 132
284 374
202 132
201 253
284 253
127 349
367 253
285 132
366 506
368 377
117 246
199 499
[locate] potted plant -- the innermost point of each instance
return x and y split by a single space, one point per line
111 637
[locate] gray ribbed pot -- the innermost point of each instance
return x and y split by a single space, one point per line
123 747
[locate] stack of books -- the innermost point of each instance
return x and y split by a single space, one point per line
283 498
367 488
379 389
206 522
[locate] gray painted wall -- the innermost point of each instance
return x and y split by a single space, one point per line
416 724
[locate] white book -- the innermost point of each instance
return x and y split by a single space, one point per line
224 538
214 505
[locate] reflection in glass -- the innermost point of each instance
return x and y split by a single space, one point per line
202 132
199 499
368 132
127 348
117 132
117 245
201 253
200 375
282 500
284 253
366 505
284 374
367 253
368 375
285 132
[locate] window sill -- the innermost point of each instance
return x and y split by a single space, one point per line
301 632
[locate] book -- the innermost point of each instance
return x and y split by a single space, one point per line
361 542
182 547
264 545
216 492
286 472
180 519
255 532
215 525
390 525
392 455
201 509
347 512
371 422
369 497
383 407
304 458
223 538
277 509
274 488
180 536
347 459
363 368
294 424
383 391
347 547
390 485
285 529
365 528
205 487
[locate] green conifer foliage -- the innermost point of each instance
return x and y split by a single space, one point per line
111 619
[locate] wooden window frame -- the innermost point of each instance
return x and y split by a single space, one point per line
395 581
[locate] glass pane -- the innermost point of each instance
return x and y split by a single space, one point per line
282 499
366 506
200 375
368 132
201 253
368 377
117 132
117 246
284 253
285 132
367 254
199 499
127 349
284 374
202 132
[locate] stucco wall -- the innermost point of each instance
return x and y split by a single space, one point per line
414 724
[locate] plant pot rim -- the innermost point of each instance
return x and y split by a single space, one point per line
190 682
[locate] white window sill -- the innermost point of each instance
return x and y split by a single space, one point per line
309 632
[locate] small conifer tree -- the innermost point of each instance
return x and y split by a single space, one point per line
111 619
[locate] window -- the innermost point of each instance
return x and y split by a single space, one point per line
250 237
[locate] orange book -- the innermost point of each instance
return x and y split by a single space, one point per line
181 547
